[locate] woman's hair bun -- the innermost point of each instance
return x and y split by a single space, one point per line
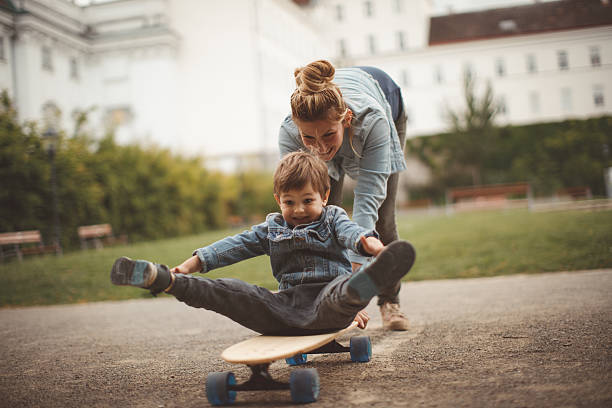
314 77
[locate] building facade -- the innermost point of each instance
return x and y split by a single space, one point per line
545 61
213 78
200 77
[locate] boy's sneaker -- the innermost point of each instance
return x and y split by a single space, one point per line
392 317
140 273
384 272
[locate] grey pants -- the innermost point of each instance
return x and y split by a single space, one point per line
386 225
304 309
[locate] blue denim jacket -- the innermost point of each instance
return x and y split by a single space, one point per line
308 253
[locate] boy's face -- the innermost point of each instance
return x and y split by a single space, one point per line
301 206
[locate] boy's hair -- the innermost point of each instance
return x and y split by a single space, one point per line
297 169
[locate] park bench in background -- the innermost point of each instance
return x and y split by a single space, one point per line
574 193
23 243
98 235
492 196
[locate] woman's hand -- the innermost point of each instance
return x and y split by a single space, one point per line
372 245
362 319
191 265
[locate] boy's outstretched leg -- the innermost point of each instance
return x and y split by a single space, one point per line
384 273
140 273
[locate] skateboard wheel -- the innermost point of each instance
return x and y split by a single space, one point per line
217 388
304 384
298 359
361 349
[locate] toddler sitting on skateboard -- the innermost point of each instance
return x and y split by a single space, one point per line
308 246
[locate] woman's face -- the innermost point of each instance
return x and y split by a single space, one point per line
324 137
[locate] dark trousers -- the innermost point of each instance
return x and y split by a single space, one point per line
304 309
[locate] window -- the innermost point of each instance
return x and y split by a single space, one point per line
74 68
595 57
401 40
532 64
339 12
2 54
439 75
47 62
367 8
398 6
502 107
405 78
372 44
598 96
342 47
507 25
51 115
566 99
118 116
562 61
534 102
500 67
468 70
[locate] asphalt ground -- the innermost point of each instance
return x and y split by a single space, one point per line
513 341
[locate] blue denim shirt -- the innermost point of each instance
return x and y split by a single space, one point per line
375 153
308 253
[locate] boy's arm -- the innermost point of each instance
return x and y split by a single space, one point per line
227 251
354 237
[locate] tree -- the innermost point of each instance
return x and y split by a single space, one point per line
474 136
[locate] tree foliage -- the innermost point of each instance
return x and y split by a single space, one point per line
144 192
549 156
475 151
474 134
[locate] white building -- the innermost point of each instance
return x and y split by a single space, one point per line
214 77
545 61
201 77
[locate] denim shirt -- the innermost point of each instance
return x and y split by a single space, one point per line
308 253
376 152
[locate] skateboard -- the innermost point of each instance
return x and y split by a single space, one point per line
261 351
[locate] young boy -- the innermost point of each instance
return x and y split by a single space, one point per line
308 246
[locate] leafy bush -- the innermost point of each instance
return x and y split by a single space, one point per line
548 155
144 192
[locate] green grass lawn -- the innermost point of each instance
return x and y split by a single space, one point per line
462 245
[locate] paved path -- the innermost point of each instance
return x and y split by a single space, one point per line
524 340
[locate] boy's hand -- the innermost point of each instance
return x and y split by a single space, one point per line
191 265
362 319
372 245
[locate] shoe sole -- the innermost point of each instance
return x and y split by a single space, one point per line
129 272
389 267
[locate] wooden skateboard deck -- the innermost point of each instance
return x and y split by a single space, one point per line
266 349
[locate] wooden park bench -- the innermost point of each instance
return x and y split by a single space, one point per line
575 192
98 235
492 196
24 243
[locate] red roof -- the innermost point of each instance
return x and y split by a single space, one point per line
520 20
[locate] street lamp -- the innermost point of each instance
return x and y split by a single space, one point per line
50 139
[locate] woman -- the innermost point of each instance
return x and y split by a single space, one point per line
353 118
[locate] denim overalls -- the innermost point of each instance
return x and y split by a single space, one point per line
310 262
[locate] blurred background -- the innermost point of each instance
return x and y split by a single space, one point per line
160 117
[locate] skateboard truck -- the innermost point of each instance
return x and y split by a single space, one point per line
260 380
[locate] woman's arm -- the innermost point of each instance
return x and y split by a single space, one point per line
374 170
